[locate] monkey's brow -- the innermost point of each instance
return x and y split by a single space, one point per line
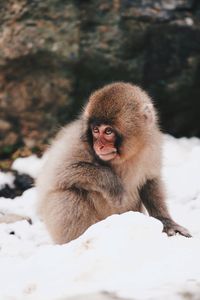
98 121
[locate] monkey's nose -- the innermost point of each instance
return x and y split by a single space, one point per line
101 146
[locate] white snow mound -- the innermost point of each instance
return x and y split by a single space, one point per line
126 255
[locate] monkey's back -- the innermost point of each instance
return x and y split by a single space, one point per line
63 151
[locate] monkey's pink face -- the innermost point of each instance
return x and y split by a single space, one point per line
104 138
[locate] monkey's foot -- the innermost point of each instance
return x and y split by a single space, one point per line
171 228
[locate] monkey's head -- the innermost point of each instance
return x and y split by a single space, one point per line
120 118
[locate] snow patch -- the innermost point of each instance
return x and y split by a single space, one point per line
125 255
29 165
6 179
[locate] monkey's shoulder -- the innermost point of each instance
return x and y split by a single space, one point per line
68 146
69 132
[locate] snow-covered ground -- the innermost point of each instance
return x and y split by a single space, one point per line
125 256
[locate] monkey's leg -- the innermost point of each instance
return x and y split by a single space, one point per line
67 214
152 196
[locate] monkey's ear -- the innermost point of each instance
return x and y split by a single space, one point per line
149 113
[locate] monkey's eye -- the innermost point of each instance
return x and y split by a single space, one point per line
95 129
108 131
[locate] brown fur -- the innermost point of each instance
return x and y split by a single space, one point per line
77 190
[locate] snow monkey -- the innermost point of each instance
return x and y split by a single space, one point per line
106 162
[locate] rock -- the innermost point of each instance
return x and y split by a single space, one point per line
54 53
7 192
22 182
11 218
4 126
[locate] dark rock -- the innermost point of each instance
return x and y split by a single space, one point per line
8 192
22 182
12 233
171 74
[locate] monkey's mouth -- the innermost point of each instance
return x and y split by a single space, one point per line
108 156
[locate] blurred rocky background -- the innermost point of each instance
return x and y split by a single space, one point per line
53 53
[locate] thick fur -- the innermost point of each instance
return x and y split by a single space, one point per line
76 189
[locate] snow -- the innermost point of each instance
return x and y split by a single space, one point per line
125 256
6 179
29 165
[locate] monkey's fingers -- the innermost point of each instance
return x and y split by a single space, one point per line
175 228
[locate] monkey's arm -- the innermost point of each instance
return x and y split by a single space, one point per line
90 177
153 198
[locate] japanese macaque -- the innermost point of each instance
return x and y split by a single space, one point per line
106 162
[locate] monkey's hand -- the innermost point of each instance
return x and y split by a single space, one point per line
171 228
